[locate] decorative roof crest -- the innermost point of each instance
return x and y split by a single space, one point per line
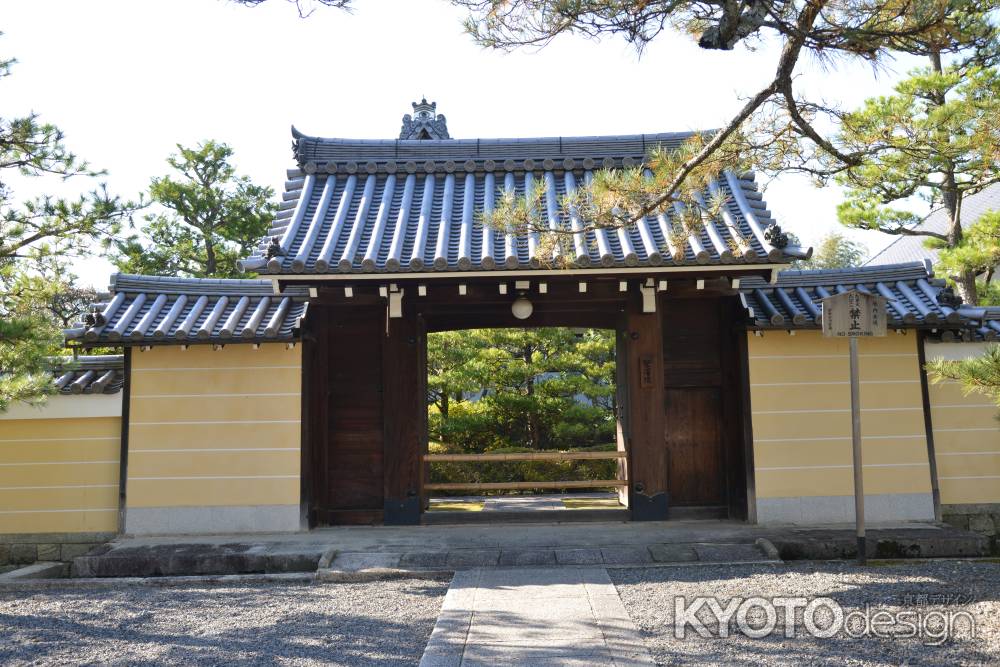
425 123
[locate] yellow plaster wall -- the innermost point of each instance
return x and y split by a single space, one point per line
59 475
966 436
215 428
800 399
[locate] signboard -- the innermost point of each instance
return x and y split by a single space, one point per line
854 314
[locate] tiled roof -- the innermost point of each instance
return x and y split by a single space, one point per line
368 206
984 321
147 309
912 248
915 297
94 374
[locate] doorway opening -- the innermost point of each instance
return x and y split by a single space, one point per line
523 424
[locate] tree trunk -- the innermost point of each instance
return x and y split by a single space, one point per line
533 434
210 261
444 405
951 198
965 284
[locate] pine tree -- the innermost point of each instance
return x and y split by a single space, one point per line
210 218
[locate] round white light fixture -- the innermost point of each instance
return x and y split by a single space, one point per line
522 308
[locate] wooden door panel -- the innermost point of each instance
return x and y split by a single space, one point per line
348 393
694 445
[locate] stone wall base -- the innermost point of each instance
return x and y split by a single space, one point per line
982 518
212 520
813 510
28 548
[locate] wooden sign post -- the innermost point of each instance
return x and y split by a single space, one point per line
852 315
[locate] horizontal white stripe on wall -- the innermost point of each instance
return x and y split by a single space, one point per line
840 437
965 405
59 463
836 382
91 509
253 368
73 439
974 477
192 450
221 421
64 486
848 466
967 453
962 430
241 395
840 410
208 477
829 356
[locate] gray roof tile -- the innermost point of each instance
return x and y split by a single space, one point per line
93 374
147 309
369 206
916 298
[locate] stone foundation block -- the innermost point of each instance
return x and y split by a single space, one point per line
48 552
23 554
71 551
982 524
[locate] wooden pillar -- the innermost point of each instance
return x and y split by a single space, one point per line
649 495
404 405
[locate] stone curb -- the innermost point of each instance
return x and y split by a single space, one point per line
40 570
386 573
378 574
768 548
164 582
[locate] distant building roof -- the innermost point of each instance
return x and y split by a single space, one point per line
415 205
94 374
146 309
912 248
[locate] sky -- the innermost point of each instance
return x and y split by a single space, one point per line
127 80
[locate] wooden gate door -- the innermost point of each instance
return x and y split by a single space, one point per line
701 409
345 415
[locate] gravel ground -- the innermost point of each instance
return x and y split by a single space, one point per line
382 623
920 588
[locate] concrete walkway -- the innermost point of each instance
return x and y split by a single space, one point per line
534 616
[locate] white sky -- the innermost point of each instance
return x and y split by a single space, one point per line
128 79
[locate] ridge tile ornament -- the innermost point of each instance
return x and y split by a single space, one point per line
425 123
854 314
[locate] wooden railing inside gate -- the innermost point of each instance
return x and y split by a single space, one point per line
526 456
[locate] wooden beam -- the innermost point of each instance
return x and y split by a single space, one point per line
526 456
644 425
513 486
403 406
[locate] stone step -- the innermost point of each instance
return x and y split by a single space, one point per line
345 565
162 560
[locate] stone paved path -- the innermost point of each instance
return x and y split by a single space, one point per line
534 616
